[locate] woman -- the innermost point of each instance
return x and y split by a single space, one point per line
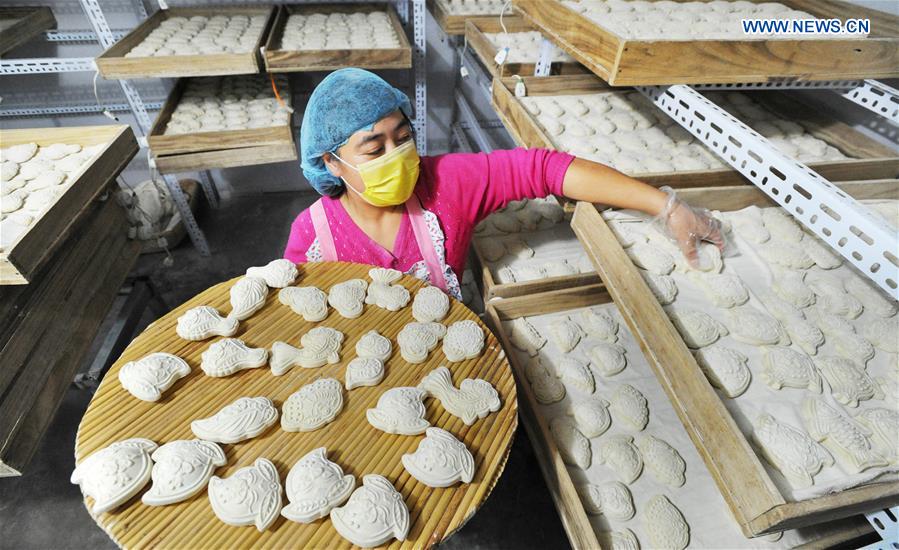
384 205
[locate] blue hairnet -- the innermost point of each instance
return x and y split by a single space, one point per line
346 101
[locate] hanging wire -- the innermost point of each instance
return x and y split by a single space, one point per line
106 112
502 12
284 105
502 24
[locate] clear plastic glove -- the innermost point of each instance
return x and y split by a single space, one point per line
688 227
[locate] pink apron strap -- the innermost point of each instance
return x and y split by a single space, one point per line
425 244
323 231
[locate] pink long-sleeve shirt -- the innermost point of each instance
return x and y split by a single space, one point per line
461 189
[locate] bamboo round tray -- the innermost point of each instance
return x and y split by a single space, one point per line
351 441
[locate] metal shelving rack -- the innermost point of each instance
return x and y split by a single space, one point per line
848 226
105 36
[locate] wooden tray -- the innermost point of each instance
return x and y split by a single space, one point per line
46 328
714 198
628 62
163 145
756 502
491 289
283 61
575 520
351 442
113 64
30 23
21 261
454 25
486 52
874 160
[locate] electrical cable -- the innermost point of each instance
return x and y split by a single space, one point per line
106 112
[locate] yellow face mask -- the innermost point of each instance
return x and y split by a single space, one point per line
390 178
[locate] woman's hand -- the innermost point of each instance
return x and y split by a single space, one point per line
688 227
597 183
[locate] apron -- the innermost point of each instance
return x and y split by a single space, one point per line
435 265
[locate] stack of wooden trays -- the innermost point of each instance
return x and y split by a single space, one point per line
203 150
757 503
21 259
731 463
47 325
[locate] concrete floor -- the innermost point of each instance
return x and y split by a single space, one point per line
42 510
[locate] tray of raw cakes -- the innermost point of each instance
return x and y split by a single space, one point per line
623 129
780 357
219 122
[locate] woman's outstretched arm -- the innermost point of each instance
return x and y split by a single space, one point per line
598 183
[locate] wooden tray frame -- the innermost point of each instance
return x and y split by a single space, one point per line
454 25
21 262
32 21
875 160
475 35
627 62
163 145
113 64
757 504
283 61
46 328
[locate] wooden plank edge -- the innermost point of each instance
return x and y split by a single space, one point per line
848 502
34 21
229 158
219 140
638 63
508 309
737 197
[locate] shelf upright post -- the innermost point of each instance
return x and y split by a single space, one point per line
419 72
209 188
468 117
106 38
